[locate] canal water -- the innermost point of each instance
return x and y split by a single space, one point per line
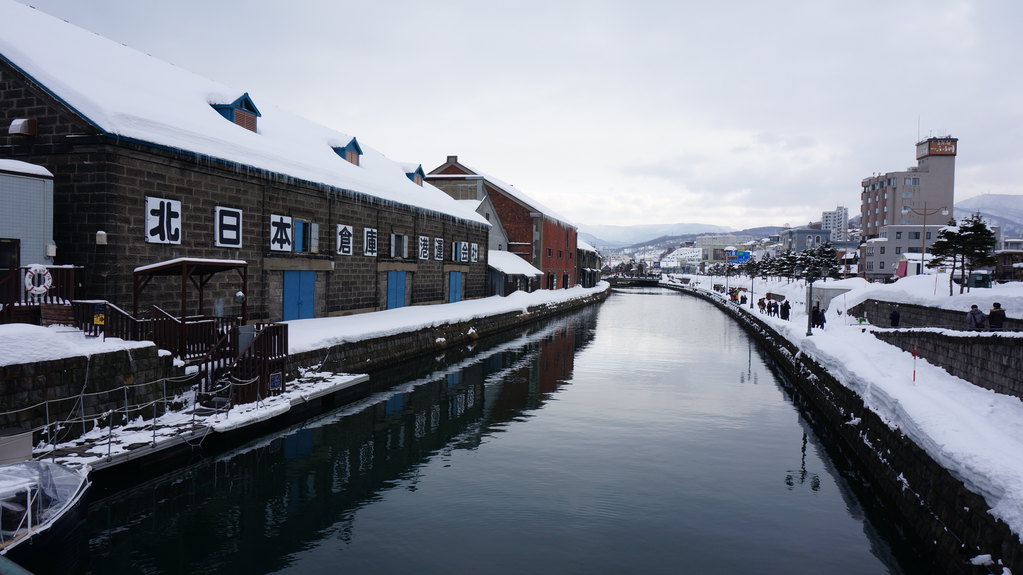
644 435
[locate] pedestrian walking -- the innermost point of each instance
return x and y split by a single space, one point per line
761 305
894 316
975 319
996 317
785 308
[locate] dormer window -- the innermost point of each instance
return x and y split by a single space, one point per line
350 152
415 173
242 112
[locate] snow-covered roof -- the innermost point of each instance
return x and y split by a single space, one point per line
194 261
135 96
471 204
584 245
19 167
511 264
511 191
915 257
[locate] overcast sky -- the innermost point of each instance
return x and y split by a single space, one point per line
736 113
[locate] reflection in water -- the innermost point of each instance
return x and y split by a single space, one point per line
802 476
568 449
249 510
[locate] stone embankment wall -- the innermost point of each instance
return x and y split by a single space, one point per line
64 390
911 315
991 361
372 354
946 522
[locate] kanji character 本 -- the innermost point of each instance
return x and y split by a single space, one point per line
281 239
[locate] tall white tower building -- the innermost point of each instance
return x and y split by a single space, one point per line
838 222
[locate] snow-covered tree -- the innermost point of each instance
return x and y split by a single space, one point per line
963 247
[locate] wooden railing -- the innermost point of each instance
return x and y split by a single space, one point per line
189 340
210 343
65 286
265 360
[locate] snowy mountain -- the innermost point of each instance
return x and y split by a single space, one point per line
604 236
1005 210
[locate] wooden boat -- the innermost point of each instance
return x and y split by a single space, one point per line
34 497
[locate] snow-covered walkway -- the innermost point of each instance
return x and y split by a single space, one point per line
973 432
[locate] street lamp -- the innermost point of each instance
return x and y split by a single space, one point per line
811 277
728 268
923 228
752 276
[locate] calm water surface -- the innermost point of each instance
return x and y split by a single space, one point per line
646 435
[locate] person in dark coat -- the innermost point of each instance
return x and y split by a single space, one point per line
816 316
785 308
894 316
975 319
996 317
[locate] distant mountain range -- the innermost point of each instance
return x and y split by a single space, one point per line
602 237
1003 210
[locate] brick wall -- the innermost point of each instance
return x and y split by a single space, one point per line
25 389
991 361
910 315
557 253
370 355
100 183
516 221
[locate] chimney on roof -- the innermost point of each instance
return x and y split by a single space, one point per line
452 159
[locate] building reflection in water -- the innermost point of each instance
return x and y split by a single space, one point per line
248 510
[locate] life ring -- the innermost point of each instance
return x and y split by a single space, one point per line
30 280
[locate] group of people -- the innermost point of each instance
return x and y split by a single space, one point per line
773 308
995 318
817 318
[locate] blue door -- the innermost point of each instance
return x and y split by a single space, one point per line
299 294
454 286
395 289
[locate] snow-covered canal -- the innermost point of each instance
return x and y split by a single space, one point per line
646 435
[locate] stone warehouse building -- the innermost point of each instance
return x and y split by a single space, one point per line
151 163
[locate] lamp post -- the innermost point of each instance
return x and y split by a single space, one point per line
923 228
811 277
728 269
752 276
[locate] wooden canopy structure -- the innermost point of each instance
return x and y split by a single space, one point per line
198 272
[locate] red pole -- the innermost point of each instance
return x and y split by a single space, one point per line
914 363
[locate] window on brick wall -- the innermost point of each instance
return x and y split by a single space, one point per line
307 237
399 246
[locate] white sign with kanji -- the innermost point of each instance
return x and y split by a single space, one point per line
163 221
424 247
227 227
282 237
345 240
369 238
